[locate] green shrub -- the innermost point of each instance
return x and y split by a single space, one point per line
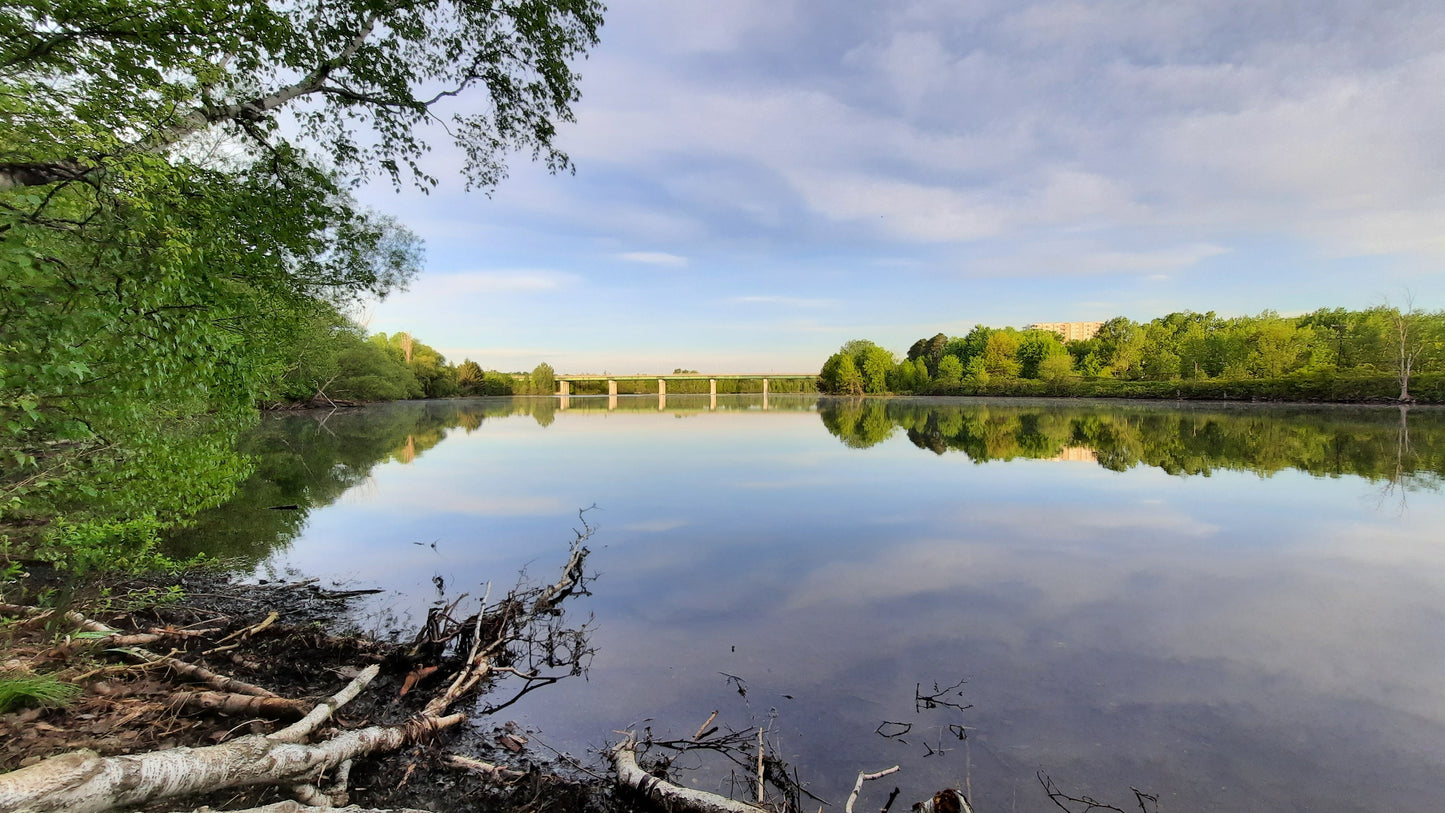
95 546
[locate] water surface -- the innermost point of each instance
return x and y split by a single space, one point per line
1236 608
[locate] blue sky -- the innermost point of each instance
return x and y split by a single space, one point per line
758 182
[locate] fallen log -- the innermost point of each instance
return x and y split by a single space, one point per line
84 782
665 794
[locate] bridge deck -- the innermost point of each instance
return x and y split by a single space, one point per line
684 376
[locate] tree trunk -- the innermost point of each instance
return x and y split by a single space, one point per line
83 782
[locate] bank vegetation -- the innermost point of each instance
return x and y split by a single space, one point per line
1382 353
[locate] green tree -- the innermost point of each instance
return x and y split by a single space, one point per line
1056 367
544 379
1000 354
1121 346
470 377
876 365
1034 347
840 375
950 371
976 373
109 84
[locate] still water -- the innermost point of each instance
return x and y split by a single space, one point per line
1236 608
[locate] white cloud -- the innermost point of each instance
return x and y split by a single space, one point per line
654 258
437 286
906 210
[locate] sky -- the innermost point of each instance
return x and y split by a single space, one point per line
759 181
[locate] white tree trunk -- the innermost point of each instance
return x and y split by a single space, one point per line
83 782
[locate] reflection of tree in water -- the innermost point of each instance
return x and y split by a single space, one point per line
310 459
858 422
1400 450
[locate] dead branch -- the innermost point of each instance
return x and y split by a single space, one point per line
484 768
1086 804
665 794
858 785
220 683
302 728
571 577
232 703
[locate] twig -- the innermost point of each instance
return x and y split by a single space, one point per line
760 765
702 729
486 768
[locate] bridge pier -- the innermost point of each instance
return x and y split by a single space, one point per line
765 388
612 387
662 386
564 388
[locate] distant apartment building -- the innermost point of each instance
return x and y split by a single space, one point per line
1069 331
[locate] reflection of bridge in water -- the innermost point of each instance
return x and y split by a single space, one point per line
565 382
690 403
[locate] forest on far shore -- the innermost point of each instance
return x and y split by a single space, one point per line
1328 354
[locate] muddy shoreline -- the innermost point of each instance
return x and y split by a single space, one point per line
295 639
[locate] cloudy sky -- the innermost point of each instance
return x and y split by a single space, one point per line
759 181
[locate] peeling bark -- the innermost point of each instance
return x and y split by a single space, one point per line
83 782
242 704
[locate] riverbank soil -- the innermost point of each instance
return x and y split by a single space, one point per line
190 661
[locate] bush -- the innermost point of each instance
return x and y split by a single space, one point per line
128 546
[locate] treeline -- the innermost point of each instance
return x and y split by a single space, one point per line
1329 354
340 362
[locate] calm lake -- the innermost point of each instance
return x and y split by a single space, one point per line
1236 608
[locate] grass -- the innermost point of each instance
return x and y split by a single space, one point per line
20 689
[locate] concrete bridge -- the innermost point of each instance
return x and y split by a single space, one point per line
564 382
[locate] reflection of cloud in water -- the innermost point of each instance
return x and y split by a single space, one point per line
1359 631
792 482
656 525
490 505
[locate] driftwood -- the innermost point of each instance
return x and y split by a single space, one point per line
84 782
665 794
